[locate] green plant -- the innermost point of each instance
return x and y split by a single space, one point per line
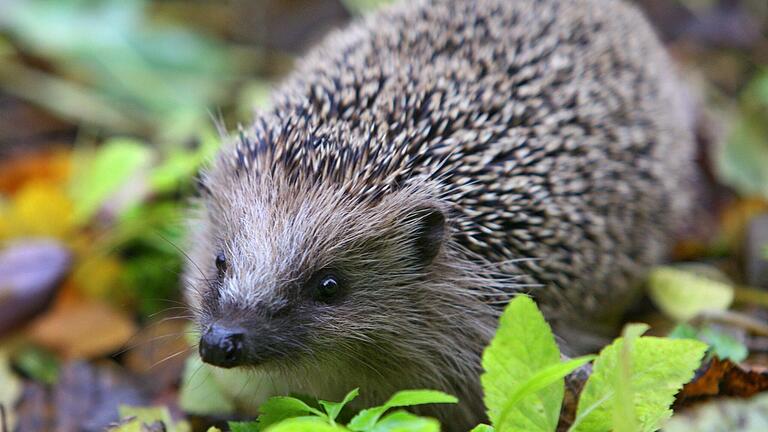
632 386
285 413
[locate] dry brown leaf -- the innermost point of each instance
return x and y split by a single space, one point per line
736 217
52 167
721 378
82 328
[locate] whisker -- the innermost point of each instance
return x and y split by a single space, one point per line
184 351
181 251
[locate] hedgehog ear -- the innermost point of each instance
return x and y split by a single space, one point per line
429 233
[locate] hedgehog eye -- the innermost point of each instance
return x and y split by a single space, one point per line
221 263
328 287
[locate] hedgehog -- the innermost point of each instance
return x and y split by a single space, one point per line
420 168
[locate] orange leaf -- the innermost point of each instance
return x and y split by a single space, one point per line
723 378
52 167
78 328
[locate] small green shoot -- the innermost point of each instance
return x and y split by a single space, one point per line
632 387
279 408
367 419
332 409
658 369
523 379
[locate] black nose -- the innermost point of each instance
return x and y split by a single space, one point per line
221 346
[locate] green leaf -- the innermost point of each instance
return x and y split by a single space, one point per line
146 69
181 163
682 294
419 397
403 421
334 408
252 426
684 331
742 162
659 368
304 424
760 86
724 345
542 379
39 364
721 344
522 347
623 410
200 392
99 177
482 428
254 94
279 408
147 416
366 419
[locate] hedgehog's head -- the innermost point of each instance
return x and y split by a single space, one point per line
306 270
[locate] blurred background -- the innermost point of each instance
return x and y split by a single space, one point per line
107 110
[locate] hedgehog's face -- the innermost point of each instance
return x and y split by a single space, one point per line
288 277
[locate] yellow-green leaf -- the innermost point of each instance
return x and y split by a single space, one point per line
522 347
683 294
658 369
102 174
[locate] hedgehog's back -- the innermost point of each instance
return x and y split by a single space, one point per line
555 129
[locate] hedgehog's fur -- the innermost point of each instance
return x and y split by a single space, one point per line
551 137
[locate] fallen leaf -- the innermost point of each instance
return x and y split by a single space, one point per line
735 219
574 384
722 378
52 167
30 272
82 328
5 224
683 294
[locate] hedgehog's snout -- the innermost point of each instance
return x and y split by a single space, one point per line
222 346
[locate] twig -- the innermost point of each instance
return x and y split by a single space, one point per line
737 319
3 419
